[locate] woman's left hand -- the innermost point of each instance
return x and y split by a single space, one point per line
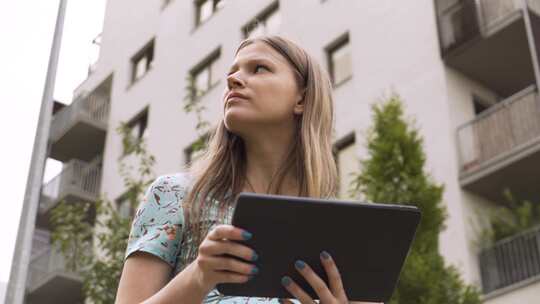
333 295
328 295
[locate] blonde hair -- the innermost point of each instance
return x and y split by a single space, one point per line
221 167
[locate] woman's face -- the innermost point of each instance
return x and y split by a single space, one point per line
270 96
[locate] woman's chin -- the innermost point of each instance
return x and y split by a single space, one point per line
234 121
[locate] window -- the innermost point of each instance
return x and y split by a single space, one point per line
193 155
138 127
203 75
347 163
206 8
479 105
124 207
142 61
164 3
267 22
339 60
451 17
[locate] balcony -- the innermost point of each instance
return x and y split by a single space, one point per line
78 130
510 262
487 41
50 281
501 149
78 181
40 241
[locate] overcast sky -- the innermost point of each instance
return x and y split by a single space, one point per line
27 28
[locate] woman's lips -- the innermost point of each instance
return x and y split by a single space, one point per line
235 99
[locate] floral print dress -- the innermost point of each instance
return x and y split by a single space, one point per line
158 229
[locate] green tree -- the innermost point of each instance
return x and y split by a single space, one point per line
74 233
394 173
510 218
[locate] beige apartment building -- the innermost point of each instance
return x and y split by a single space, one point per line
467 70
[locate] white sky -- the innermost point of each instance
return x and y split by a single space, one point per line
27 28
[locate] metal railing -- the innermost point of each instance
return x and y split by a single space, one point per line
493 12
40 241
48 263
499 130
460 21
79 176
511 260
93 107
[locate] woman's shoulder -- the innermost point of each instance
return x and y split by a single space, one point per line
178 179
164 197
158 223
176 183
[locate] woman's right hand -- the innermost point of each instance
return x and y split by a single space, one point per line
214 266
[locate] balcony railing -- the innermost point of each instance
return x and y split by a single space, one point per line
511 261
460 21
77 178
499 130
40 241
493 12
93 108
44 266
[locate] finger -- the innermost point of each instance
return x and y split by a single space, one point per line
227 264
231 277
226 247
318 285
229 232
334 277
296 290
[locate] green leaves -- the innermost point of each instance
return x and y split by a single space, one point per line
394 173
509 219
72 233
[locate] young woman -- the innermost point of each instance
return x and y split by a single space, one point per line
275 137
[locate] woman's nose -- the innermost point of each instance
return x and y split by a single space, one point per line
234 81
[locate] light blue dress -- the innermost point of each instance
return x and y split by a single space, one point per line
158 228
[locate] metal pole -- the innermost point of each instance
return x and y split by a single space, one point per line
532 43
16 288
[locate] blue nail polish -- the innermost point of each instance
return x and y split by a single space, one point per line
254 270
300 264
246 235
325 255
285 281
254 257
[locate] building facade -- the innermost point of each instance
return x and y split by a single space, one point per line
467 71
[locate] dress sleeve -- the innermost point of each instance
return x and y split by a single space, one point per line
158 222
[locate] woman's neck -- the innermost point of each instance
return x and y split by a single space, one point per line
264 157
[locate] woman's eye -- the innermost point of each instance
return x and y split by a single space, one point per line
260 66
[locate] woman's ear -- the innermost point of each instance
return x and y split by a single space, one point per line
299 106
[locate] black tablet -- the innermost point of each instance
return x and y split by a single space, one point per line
369 243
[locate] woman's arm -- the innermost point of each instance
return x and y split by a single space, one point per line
144 279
